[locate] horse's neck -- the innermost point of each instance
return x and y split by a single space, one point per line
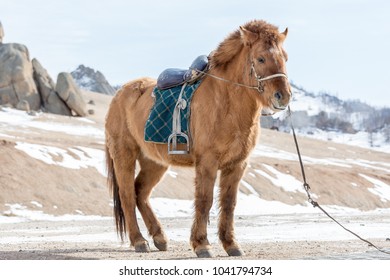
233 99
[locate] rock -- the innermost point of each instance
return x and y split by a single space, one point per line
23 105
89 79
51 102
16 77
27 86
70 94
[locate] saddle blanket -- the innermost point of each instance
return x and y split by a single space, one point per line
158 127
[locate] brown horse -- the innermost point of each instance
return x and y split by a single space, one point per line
246 76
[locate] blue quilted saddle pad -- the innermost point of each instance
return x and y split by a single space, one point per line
158 127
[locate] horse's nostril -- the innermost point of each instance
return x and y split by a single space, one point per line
278 95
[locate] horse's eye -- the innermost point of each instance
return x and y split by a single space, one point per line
261 60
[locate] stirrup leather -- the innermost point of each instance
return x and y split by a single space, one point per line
181 104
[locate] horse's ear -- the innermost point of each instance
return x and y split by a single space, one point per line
283 35
248 37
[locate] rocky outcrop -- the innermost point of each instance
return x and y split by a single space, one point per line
51 101
26 85
70 93
89 79
16 78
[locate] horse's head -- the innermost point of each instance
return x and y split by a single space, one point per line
264 45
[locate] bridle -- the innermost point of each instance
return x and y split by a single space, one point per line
259 79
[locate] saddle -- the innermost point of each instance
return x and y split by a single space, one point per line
168 121
173 77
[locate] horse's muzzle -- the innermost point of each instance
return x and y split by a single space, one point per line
280 100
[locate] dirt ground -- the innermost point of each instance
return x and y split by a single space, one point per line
97 240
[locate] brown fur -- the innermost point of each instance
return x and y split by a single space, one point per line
224 129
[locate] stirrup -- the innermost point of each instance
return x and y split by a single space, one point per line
181 104
172 144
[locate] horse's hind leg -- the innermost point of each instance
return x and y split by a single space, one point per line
150 174
230 177
124 156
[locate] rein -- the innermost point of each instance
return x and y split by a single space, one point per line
315 203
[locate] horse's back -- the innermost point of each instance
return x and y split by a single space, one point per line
124 104
130 92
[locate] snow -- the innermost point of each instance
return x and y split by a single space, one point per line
287 182
246 205
11 119
14 117
78 130
249 187
74 158
254 205
380 188
37 204
20 213
172 173
269 152
310 105
306 103
85 81
374 141
266 151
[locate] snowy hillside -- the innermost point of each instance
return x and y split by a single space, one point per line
326 117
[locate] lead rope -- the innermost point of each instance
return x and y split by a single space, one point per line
307 189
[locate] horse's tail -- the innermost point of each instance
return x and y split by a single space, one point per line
114 188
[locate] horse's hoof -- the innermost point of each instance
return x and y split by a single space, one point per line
203 253
142 247
162 246
235 252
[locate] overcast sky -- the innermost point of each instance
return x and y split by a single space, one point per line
335 46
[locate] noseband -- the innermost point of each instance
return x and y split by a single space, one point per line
260 79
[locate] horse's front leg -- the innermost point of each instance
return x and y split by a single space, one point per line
229 182
206 173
